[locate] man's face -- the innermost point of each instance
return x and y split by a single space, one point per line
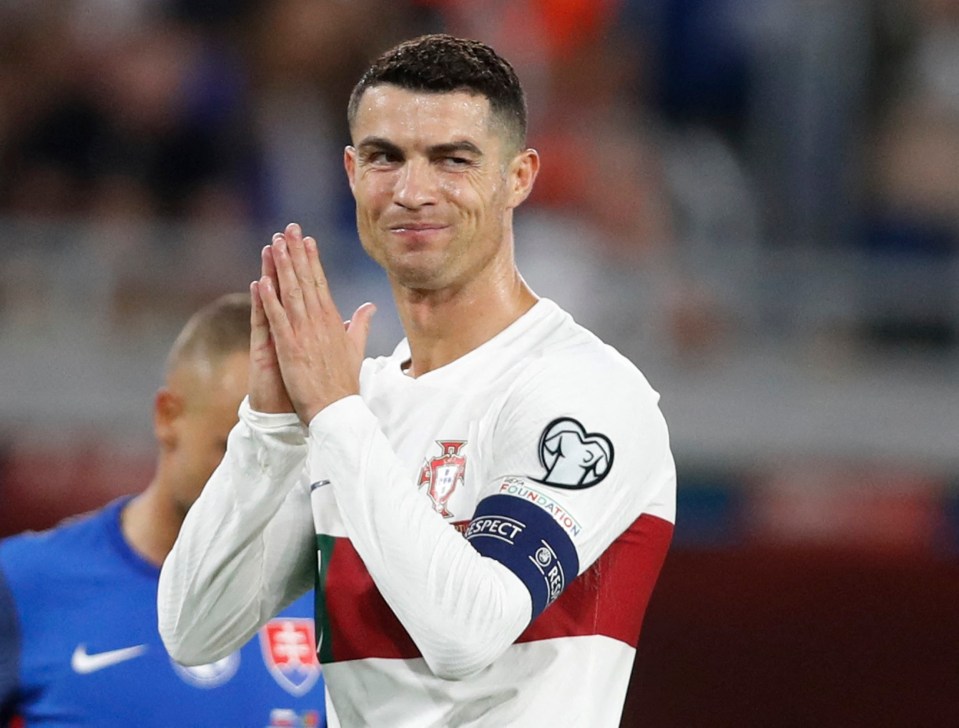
435 182
210 401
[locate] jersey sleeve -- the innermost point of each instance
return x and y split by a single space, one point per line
464 601
459 608
579 459
245 550
9 650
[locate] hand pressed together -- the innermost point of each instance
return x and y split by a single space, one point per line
303 357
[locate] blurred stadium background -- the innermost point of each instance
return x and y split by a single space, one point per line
756 200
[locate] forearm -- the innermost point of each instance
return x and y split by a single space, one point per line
461 609
245 549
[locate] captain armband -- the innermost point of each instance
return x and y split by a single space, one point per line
527 541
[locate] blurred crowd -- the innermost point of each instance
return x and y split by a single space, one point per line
726 184
683 142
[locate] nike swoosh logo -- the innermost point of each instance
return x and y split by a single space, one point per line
84 663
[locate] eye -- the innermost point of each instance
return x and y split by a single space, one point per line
455 162
382 158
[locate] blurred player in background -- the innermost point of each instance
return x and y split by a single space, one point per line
487 508
78 637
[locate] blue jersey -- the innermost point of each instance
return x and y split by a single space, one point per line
79 644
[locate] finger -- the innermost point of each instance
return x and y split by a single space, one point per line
301 265
259 326
267 264
320 283
262 349
276 315
290 293
358 327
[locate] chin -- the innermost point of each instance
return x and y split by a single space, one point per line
419 279
415 272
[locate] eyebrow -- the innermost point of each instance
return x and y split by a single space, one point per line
453 147
385 145
378 143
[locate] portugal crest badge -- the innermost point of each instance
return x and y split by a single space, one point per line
443 473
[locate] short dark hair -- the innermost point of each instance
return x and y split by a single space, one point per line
440 63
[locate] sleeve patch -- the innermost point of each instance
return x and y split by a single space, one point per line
572 457
527 541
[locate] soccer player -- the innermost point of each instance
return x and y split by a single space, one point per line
78 624
486 510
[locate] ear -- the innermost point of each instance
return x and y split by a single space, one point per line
522 172
167 408
349 162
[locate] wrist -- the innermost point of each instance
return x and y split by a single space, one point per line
265 420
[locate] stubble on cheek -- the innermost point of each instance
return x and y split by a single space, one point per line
368 234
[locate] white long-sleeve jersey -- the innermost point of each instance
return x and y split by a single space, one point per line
484 538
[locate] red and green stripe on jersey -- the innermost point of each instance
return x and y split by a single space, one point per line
354 622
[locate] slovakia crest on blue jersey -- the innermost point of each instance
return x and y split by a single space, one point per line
289 651
443 473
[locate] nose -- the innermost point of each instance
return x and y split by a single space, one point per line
415 184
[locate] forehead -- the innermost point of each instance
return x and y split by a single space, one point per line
412 118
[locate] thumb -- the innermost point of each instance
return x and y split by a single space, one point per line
358 327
